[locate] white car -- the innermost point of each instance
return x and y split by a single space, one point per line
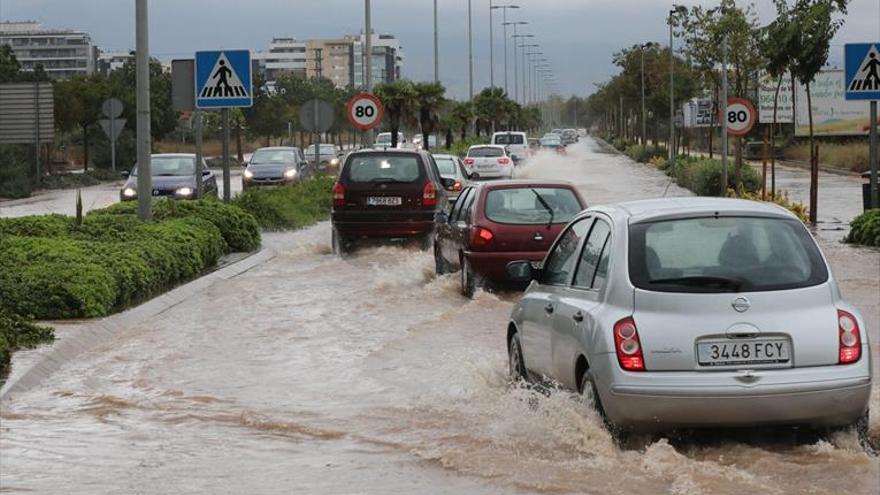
693 312
517 143
489 161
383 140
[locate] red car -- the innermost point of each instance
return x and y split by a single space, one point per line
494 223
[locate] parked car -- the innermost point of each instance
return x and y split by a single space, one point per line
173 175
387 194
328 155
275 166
451 167
383 140
494 223
553 143
517 144
569 136
693 312
489 161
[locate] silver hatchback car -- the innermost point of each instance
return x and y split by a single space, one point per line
693 312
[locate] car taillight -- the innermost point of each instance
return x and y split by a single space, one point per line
850 342
338 195
481 236
429 195
503 161
468 161
627 345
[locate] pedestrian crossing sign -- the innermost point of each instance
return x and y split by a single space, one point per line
862 71
223 79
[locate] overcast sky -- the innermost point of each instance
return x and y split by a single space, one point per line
578 36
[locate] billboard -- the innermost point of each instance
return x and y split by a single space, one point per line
697 112
766 95
26 113
833 115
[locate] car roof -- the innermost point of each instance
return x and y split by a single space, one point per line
507 132
515 183
277 148
443 155
487 146
173 155
686 207
388 151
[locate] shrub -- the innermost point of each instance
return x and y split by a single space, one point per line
16 171
68 181
781 199
17 333
289 207
865 229
644 154
703 176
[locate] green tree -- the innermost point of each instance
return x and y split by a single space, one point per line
461 115
11 71
492 106
430 100
400 100
78 106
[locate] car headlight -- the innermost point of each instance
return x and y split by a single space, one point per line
184 191
129 192
248 174
291 173
334 161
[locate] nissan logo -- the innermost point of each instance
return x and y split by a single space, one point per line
741 304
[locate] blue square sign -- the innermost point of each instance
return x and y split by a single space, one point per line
223 79
862 71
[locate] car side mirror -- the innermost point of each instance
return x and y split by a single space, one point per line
206 172
124 174
474 176
521 271
448 184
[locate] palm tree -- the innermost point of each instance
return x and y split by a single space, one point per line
430 100
399 98
491 106
462 113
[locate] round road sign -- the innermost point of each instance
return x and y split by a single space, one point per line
364 111
739 117
111 108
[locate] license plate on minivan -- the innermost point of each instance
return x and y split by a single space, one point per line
384 201
749 353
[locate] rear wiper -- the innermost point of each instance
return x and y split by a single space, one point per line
703 281
545 205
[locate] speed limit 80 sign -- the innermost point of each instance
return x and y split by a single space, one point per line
364 111
739 117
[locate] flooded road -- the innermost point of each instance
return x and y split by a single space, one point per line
311 374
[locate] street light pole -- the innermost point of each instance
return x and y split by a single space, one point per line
142 74
491 47
470 54
436 47
644 121
504 24
723 105
515 68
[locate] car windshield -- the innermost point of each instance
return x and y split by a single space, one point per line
509 139
383 168
325 149
724 254
550 142
532 205
167 166
273 156
485 151
385 137
446 166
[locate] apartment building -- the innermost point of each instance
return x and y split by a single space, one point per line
61 52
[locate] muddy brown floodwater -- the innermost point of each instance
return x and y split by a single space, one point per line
311 374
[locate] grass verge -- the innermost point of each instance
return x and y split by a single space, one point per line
288 208
848 156
18 333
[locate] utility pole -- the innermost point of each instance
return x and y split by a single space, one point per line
436 48
671 145
197 122
491 48
504 24
227 193
723 112
515 68
644 119
368 60
470 53
873 156
142 73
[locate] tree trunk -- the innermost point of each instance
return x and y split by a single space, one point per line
772 139
814 164
737 175
85 147
449 137
238 142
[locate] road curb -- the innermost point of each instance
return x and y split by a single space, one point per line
90 334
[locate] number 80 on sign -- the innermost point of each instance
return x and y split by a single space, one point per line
739 117
364 111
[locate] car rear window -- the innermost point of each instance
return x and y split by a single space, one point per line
446 166
383 168
531 205
485 151
724 254
550 142
509 139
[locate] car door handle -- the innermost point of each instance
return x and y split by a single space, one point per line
548 308
578 317
539 237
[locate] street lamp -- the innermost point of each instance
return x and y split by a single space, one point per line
676 10
514 24
525 46
642 47
515 69
504 23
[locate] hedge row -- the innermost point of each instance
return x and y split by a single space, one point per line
52 268
703 176
287 208
865 229
17 333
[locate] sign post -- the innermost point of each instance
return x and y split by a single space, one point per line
223 80
112 125
862 62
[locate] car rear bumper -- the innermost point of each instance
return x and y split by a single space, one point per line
406 223
820 397
493 265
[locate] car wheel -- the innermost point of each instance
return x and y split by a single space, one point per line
468 279
516 367
341 244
